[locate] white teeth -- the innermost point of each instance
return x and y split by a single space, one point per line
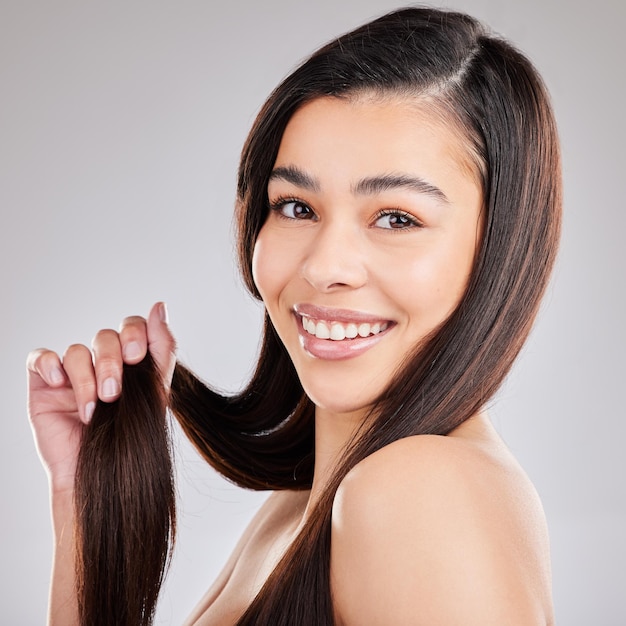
336 331
322 331
351 331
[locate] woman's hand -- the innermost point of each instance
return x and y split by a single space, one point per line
62 393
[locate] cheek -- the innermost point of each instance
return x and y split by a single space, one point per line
271 265
433 283
261 272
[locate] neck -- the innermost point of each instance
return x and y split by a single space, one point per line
333 433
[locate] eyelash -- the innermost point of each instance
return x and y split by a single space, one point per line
279 203
413 222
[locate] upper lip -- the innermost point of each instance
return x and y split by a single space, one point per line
345 316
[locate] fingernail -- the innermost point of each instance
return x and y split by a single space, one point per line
56 376
163 315
110 387
89 409
132 351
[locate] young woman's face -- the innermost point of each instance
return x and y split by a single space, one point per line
373 227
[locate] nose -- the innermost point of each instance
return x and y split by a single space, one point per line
335 259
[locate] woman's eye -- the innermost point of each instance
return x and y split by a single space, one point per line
396 220
292 209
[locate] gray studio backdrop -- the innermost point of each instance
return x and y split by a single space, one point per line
120 127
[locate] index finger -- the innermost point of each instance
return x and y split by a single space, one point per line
46 366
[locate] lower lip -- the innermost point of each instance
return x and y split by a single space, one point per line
332 350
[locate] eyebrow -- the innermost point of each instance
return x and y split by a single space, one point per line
377 184
366 186
291 174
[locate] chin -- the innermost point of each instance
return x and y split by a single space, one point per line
338 399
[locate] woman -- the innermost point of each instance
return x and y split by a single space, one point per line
398 212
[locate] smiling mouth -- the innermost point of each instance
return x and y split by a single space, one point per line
339 331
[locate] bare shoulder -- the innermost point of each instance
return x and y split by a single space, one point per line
444 530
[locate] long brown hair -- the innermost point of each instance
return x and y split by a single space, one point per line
262 438
125 504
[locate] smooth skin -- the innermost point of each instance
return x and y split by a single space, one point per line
427 531
384 219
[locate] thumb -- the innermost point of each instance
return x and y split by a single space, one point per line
161 342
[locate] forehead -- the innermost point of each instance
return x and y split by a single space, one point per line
378 133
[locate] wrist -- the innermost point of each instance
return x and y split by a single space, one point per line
60 483
61 498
